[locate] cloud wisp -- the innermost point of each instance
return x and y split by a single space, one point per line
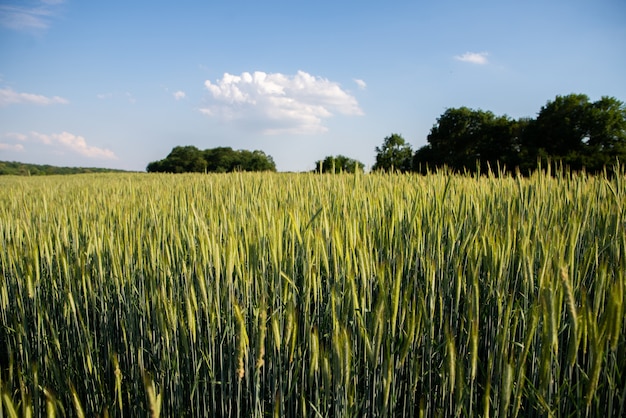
276 103
11 147
9 96
362 84
35 16
179 95
62 142
479 58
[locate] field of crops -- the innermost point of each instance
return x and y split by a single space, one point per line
312 295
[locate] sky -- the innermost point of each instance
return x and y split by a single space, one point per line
118 84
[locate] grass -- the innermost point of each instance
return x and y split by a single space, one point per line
313 295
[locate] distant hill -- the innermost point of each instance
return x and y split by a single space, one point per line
22 169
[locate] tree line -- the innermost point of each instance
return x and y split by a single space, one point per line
15 168
570 129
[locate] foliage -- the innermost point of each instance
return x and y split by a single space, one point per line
394 155
579 132
304 295
338 164
189 159
570 129
23 169
463 138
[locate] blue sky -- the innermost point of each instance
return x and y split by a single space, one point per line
119 83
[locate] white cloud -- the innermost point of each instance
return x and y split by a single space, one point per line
362 84
179 95
278 103
35 16
79 145
46 139
9 96
479 58
63 141
11 147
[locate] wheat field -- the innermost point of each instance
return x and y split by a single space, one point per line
313 295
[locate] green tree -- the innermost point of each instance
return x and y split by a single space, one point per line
559 131
218 160
463 138
425 159
395 154
255 161
221 159
607 134
338 164
181 159
578 132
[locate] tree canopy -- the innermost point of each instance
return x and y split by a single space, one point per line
189 159
578 132
394 155
463 137
338 164
570 129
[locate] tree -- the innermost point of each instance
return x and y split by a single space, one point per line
425 159
559 131
219 160
181 159
464 137
578 132
256 161
338 164
607 134
569 129
395 154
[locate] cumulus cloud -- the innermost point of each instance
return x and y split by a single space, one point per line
64 141
179 95
9 96
36 15
479 58
277 103
362 85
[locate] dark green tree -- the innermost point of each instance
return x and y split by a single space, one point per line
255 161
218 160
338 164
182 159
394 155
577 132
221 159
463 138
606 133
560 131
